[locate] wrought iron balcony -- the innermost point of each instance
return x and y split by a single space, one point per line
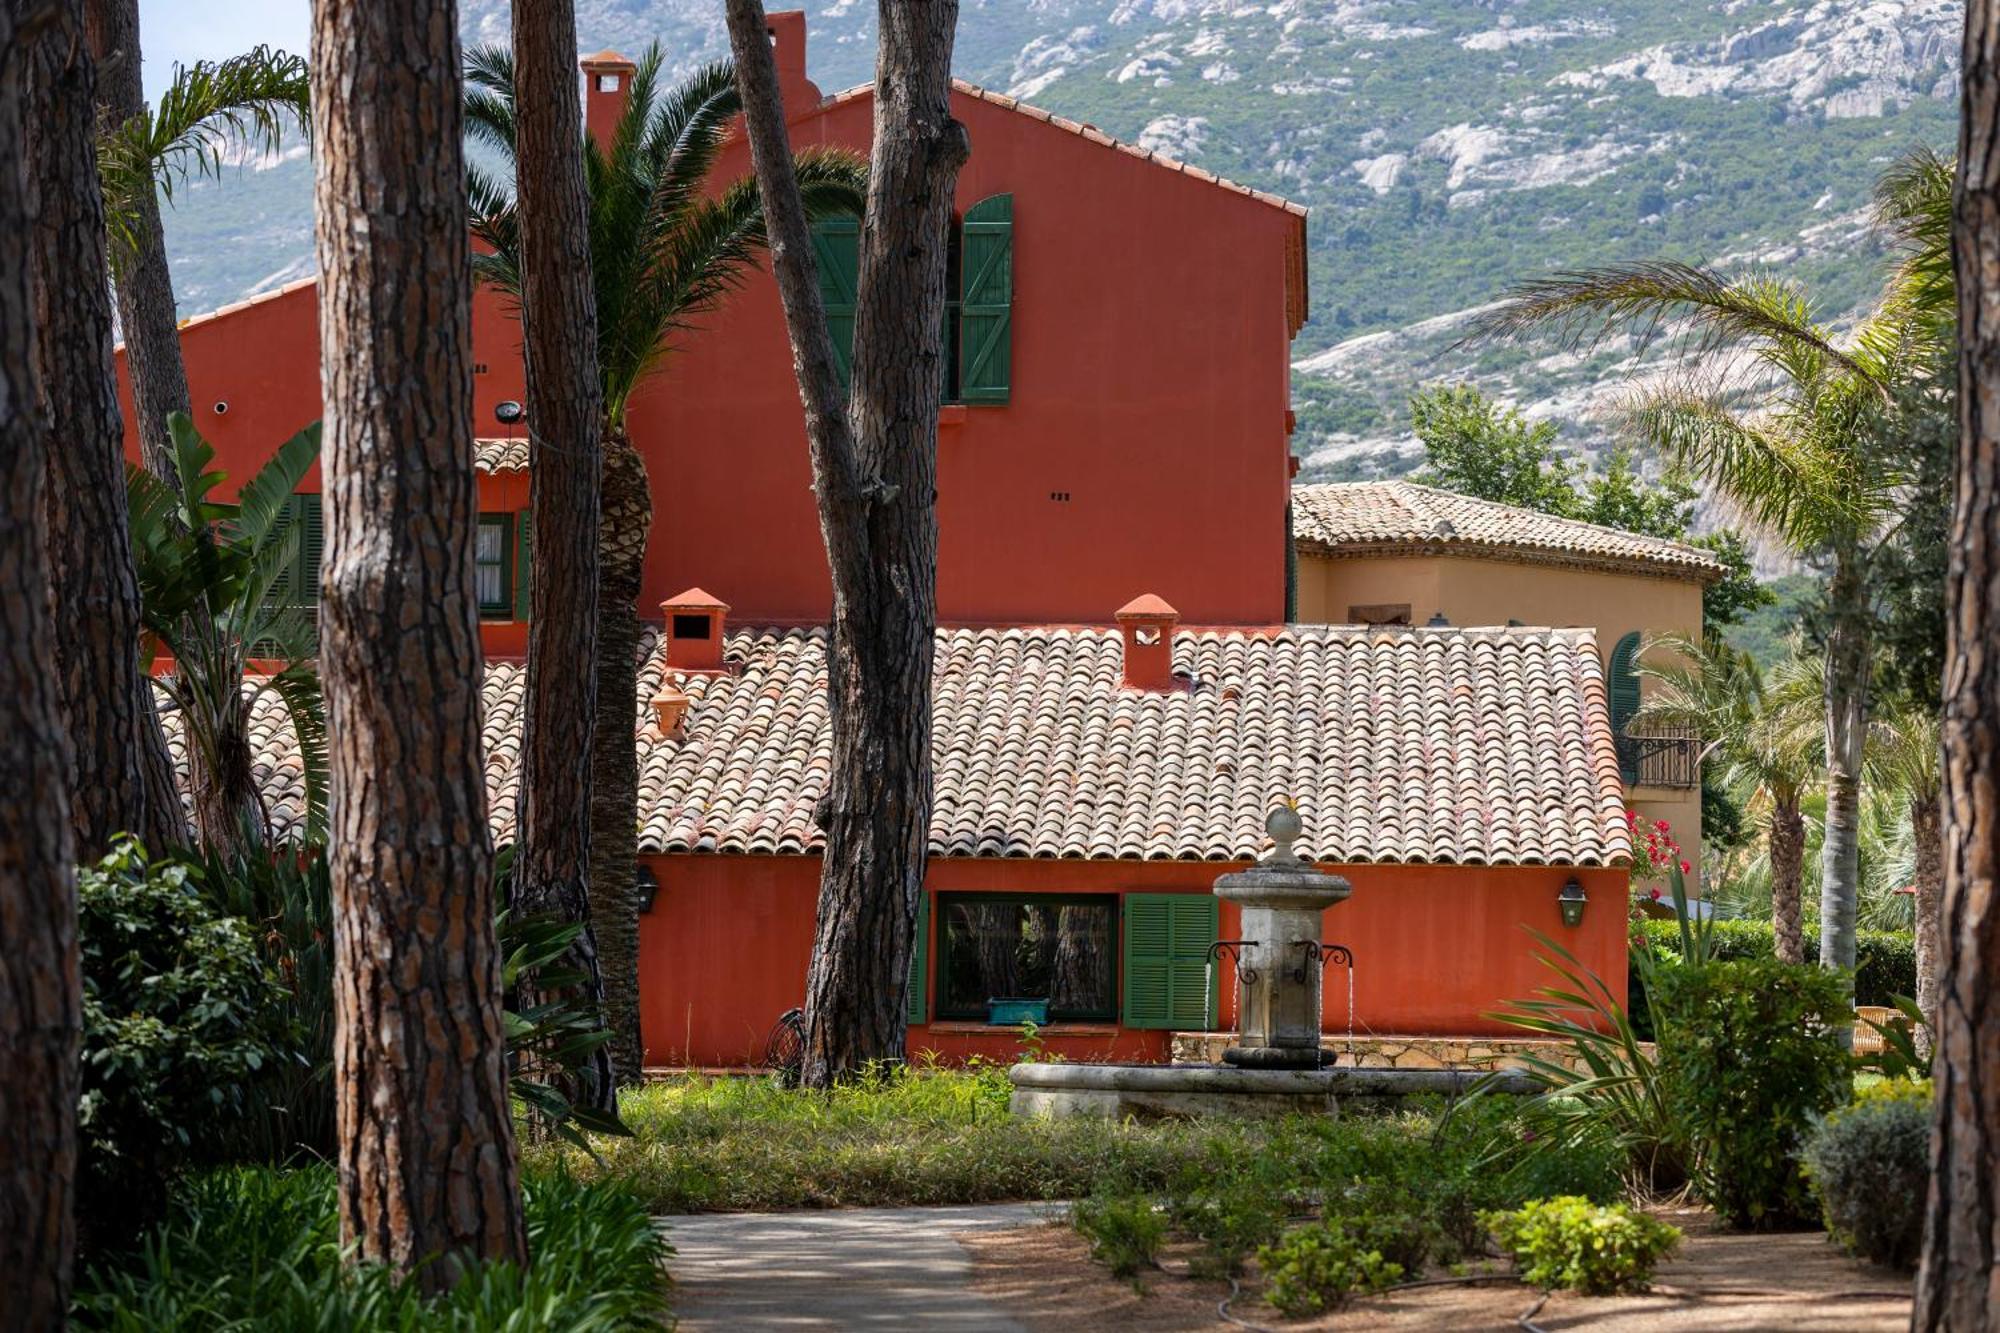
1661 757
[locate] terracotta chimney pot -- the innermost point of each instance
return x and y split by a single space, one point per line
670 707
1147 624
607 86
695 622
787 30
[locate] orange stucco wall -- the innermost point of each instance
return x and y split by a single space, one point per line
724 951
1150 390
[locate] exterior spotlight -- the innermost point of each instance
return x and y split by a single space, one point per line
509 412
1571 901
648 885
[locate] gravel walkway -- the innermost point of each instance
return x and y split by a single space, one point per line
874 1268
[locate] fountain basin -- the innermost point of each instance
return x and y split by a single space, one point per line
1161 1091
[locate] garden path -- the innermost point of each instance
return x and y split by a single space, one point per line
870 1268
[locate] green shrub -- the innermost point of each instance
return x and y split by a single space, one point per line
1231 1217
258 1248
1750 1056
1571 1243
174 1026
1125 1231
1885 961
1313 1268
1869 1162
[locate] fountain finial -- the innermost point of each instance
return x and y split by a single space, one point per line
1284 826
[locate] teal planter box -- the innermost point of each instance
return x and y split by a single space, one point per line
1014 1012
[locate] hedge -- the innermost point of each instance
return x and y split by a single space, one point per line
1885 961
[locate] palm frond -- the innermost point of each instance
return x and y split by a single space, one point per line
249 101
1581 308
1913 202
262 499
489 98
298 686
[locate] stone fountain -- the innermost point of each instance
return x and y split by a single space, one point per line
1277 1064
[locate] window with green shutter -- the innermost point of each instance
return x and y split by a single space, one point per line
1059 949
986 301
524 564
1622 689
837 256
915 1011
297 585
493 566
1168 982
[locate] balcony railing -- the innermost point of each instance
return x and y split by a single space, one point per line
1662 757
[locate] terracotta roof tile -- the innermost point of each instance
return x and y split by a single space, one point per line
500 455
1473 746
1373 517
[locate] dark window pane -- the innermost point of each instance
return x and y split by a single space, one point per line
1035 947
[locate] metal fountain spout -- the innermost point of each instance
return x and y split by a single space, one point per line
1280 962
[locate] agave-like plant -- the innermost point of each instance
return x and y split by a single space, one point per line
211 581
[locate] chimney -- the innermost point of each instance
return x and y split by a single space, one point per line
607 84
787 30
1147 623
694 631
670 707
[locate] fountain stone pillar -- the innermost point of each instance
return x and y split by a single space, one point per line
1278 961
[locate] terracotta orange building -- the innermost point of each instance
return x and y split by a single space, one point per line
1118 700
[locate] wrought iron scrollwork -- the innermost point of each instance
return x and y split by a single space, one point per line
1314 954
1233 950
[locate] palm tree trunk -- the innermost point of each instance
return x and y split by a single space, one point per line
1927 837
552 872
428 1169
42 1017
1846 727
875 477
121 776
1787 843
1955 1279
145 287
627 516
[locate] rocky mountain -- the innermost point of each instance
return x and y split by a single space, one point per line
1446 148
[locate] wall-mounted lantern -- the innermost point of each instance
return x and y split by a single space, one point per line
647 886
1571 901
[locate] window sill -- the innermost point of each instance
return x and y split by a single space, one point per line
951 414
959 1027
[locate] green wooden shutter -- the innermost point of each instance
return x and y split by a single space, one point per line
1168 982
1623 690
916 1010
524 564
837 256
312 542
986 364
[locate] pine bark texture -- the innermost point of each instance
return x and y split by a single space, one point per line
1958 1283
627 514
121 777
1846 729
1927 833
147 314
1788 856
40 988
874 462
565 433
427 1163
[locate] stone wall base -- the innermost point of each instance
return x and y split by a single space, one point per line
1376 1051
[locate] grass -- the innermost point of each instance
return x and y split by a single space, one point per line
928 1136
258 1248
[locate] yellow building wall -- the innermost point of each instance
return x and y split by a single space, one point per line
1471 591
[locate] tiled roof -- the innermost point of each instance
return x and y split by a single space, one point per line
493 455
1478 746
1402 517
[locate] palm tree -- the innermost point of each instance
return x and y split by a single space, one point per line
664 249
1781 418
212 579
1763 728
1907 758
211 108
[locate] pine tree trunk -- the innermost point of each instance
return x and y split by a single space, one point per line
1846 727
121 779
145 287
1787 841
1958 1282
614 801
552 871
875 477
428 1169
41 998
1927 835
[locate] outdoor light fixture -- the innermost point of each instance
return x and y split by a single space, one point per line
509 413
1571 901
648 885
